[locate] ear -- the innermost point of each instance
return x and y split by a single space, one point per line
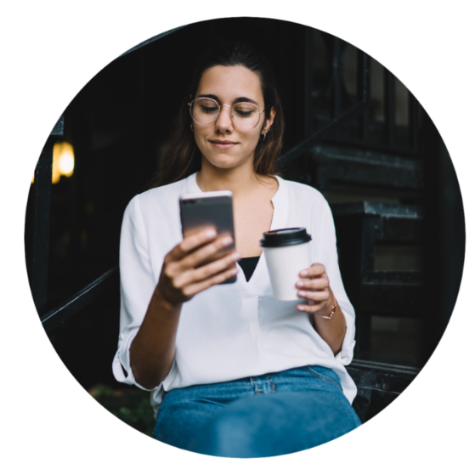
268 123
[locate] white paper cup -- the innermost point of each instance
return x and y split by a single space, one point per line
287 252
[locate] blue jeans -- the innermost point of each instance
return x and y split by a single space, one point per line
273 414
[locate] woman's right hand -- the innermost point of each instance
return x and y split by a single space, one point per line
183 274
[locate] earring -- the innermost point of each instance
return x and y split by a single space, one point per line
263 136
191 126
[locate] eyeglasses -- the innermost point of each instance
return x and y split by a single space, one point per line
244 115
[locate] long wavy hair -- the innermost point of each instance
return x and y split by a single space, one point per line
182 156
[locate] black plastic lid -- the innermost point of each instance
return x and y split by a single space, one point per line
285 237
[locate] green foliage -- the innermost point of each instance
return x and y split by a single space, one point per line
131 405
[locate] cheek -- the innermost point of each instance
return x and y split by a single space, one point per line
199 135
253 139
199 142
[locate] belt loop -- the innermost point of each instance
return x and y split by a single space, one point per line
273 385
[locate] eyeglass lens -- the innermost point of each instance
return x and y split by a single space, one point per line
244 115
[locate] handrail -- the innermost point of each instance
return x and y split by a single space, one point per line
84 297
384 367
341 118
322 133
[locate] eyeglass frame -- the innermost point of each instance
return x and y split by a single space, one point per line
219 111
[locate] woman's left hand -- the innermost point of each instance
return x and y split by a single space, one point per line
315 287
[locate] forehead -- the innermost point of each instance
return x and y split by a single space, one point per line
229 82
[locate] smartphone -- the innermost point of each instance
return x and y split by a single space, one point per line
209 209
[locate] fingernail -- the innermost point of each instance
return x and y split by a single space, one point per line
236 256
300 307
211 233
301 293
304 273
227 240
299 283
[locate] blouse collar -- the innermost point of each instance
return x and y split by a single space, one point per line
278 200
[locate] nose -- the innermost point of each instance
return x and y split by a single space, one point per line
224 121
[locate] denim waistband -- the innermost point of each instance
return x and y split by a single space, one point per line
305 378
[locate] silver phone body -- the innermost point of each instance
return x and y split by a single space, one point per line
209 209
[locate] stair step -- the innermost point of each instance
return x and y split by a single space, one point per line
392 222
392 293
382 376
393 277
342 165
378 385
390 210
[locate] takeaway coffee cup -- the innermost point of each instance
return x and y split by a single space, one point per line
287 252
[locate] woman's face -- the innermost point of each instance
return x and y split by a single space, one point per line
220 143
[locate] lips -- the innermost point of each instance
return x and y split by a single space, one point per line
223 144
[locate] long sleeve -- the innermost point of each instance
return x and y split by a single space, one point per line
325 230
136 287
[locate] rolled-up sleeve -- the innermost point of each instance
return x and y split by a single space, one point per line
328 236
137 284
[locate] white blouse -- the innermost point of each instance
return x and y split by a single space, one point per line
234 330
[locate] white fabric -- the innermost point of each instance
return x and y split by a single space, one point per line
235 330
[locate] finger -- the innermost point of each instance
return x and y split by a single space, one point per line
207 252
319 296
191 242
195 288
318 283
312 271
213 268
310 308
189 271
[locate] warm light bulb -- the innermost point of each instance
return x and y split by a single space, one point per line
63 160
66 162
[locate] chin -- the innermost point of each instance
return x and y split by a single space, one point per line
224 164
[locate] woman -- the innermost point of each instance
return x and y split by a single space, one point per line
233 372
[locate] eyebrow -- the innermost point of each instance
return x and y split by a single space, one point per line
238 99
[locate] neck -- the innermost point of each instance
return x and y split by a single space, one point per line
240 180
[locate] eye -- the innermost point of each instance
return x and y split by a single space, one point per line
244 110
209 110
207 106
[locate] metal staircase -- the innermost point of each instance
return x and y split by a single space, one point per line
360 227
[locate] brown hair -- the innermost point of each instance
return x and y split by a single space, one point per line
182 156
